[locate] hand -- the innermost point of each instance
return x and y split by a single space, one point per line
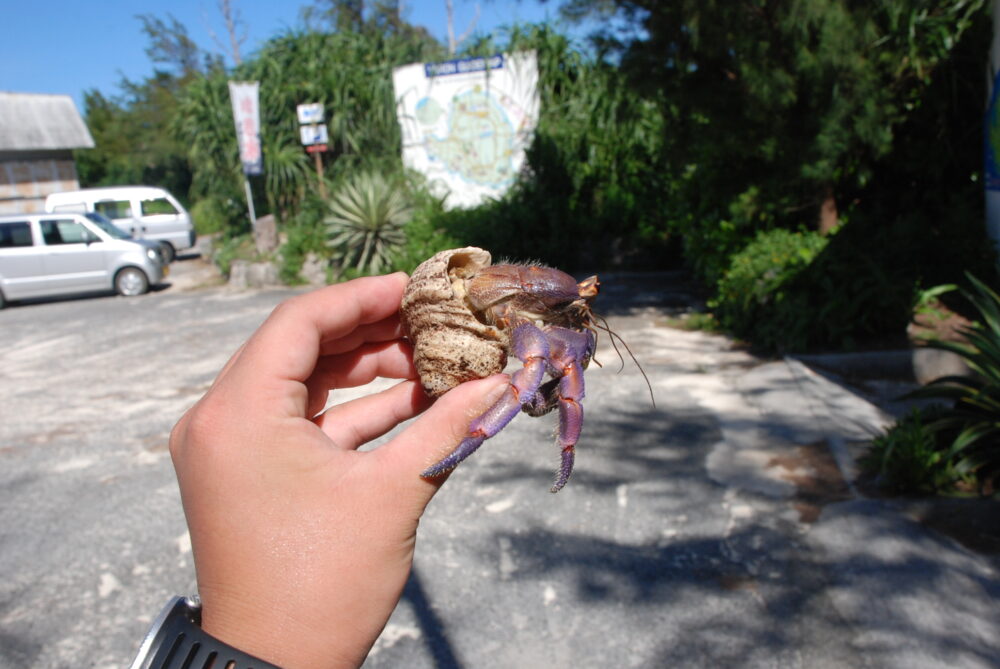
302 544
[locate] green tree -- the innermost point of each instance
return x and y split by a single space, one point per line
134 143
779 111
349 72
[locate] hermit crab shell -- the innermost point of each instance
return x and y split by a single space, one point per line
450 344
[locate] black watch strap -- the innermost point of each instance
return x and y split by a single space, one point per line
176 641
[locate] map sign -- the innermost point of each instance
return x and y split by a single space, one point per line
466 123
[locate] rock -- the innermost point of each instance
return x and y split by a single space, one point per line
244 274
265 235
314 270
931 363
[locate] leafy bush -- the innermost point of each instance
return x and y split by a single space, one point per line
752 298
301 239
909 459
972 421
304 233
233 248
216 215
424 234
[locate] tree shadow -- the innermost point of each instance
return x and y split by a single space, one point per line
637 443
764 596
432 627
757 592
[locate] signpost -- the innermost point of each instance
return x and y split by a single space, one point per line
314 136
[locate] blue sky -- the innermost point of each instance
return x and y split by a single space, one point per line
69 46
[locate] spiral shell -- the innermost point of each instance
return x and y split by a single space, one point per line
450 345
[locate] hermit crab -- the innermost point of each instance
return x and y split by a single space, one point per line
464 317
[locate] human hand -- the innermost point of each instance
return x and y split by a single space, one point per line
302 544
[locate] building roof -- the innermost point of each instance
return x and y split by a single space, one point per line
31 122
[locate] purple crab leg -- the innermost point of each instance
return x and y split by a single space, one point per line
531 347
569 349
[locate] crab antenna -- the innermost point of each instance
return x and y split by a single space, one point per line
615 335
607 329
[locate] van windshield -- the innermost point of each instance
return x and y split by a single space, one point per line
103 223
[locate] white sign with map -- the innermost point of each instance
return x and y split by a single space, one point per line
466 123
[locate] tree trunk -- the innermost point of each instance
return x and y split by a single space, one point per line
829 217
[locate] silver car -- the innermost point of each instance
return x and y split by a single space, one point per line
58 254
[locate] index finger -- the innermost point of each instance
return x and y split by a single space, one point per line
288 344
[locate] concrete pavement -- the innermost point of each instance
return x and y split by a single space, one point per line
720 527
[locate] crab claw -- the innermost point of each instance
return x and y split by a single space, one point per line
570 419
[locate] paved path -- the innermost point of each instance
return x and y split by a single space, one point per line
715 529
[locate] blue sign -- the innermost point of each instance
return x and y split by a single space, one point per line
463 66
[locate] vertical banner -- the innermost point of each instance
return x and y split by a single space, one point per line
466 123
246 115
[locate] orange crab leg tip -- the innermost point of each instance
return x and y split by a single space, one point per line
589 287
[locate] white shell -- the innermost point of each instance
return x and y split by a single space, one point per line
450 345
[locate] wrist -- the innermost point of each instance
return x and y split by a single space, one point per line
176 641
270 633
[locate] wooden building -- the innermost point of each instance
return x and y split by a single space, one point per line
37 136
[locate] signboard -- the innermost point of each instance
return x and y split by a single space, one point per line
466 123
310 113
314 134
246 115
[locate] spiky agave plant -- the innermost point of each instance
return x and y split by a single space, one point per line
365 221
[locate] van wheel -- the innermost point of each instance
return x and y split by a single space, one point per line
3 302
169 253
131 281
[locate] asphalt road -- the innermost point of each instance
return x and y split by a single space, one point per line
692 533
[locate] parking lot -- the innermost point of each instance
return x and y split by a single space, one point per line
92 534
713 529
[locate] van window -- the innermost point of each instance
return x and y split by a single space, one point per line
160 205
75 208
65 232
114 209
13 234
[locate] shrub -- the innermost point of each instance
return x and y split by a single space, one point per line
213 215
300 241
971 424
233 248
752 299
909 459
424 234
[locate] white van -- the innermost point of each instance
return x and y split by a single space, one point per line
143 212
59 254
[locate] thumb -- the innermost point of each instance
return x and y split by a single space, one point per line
439 430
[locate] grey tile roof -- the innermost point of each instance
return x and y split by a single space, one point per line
31 122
